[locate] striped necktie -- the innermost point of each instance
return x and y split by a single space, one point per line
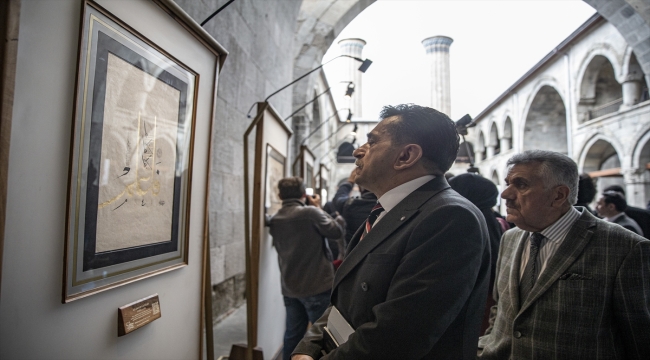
530 271
374 214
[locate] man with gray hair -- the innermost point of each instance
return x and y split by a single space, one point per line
568 285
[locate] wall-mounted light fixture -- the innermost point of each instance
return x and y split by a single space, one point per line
364 66
350 89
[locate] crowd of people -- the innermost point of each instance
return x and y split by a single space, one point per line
421 266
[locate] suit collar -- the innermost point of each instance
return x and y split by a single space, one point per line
575 242
392 221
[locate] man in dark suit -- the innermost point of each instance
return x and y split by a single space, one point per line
641 216
568 285
414 282
611 207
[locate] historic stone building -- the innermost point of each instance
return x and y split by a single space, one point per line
584 99
588 99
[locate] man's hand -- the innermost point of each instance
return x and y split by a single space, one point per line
353 175
301 357
314 200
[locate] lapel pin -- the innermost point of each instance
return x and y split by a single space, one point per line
402 219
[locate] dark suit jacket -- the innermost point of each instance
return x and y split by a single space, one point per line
415 287
626 222
642 218
591 302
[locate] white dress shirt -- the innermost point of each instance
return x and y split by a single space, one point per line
553 237
395 195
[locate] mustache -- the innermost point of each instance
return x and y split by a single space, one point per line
510 204
357 163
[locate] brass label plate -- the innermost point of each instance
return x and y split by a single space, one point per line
138 314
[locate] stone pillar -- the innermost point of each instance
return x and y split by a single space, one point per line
479 155
636 183
632 89
505 144
352 47
490 151
437 49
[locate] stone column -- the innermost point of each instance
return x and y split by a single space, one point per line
437 49
489 151
505 144
636 183
479 156
632 88
352 47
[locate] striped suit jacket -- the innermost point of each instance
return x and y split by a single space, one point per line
591 302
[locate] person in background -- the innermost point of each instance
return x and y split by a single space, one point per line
354 210
414 282
299 230
586 192
483 193
641 216
611 207
568 285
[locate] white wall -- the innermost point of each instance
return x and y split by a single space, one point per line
33 322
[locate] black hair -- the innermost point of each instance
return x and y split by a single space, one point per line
434 131
615 197
586 189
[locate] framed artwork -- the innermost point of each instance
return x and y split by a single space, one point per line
275 170
130 169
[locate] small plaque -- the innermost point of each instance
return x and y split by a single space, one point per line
137 314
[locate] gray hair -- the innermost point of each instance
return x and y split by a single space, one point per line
556 169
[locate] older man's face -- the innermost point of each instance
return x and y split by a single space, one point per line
528 202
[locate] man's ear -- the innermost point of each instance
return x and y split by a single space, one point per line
408 156
561 195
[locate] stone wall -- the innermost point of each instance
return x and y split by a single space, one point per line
257 35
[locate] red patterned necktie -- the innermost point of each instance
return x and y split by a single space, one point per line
374 214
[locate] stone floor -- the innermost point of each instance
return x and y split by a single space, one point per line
232 330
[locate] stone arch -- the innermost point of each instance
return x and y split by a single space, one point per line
600 90
319 23
493 141
480 147
507 139
545 121
495 177
600 154
635 86
621 14
641 152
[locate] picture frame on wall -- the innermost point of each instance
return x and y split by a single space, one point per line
275 170
130 159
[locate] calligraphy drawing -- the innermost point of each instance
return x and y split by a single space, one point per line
138 157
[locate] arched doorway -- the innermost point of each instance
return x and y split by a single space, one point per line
494 140
506 139
545 126
603 164
600 92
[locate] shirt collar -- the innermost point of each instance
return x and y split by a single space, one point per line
559 229
395 195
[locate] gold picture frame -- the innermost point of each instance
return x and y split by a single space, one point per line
130 159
